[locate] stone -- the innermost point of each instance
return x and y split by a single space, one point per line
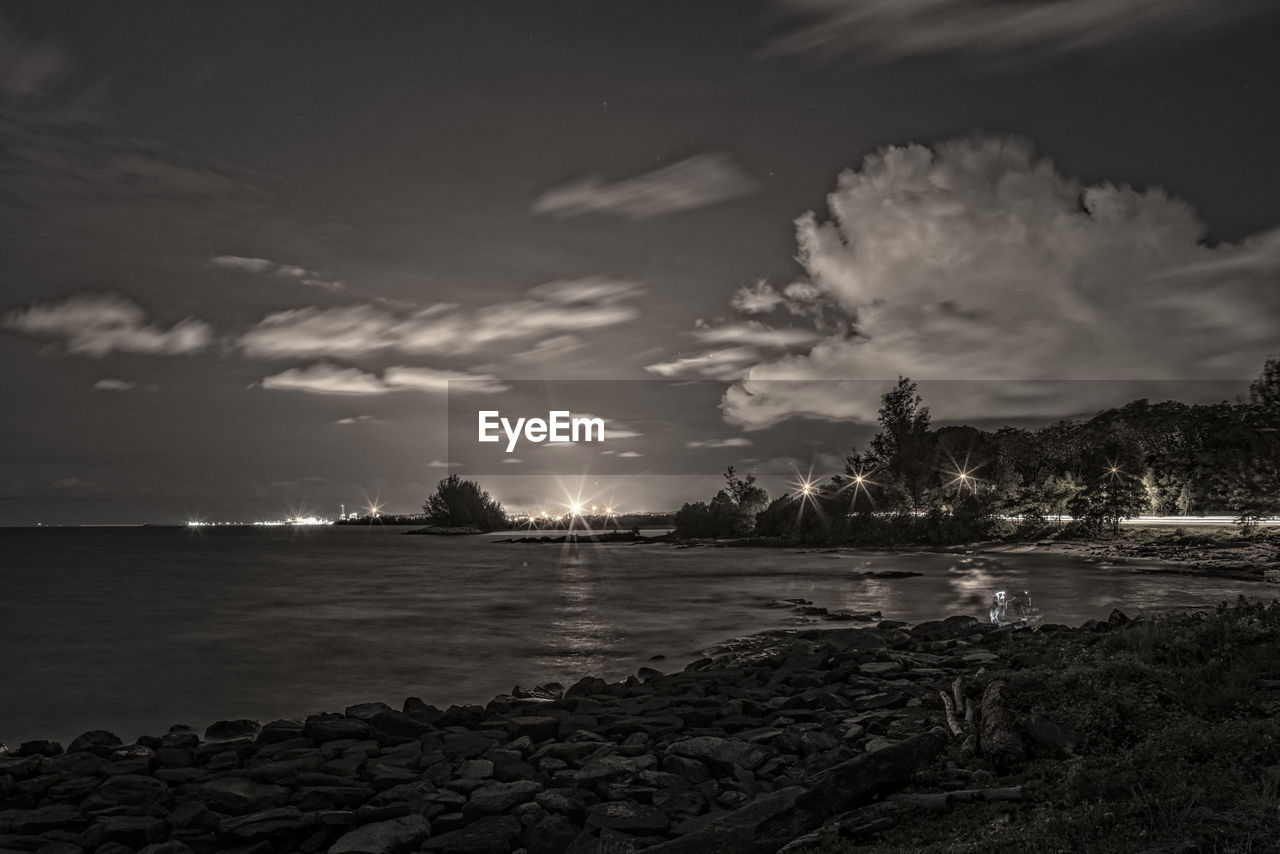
171 847
536 728
130 789
272 823
477 768
279 731
227 730
97 741
133 830
627 817
399 724
39 747
605 769
366 711
237 795
331 727
494 798
489 835
466 745
383 837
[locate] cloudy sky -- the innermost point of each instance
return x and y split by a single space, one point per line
258 258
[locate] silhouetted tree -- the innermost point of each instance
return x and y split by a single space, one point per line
904 448
459 503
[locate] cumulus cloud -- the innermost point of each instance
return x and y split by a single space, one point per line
885 30
267 267
701 180
114 385
977 260
98 324
327 378
358 330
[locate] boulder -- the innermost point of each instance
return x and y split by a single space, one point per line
489 835
227 730
383 837
96 741
495 798
237 795
332 727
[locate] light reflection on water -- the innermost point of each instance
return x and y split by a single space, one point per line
134 630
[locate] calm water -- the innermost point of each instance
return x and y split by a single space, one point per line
136 629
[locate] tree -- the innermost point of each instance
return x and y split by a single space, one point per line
731 513
1114 488
904 448
459 503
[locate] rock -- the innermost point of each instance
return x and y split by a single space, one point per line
536 728
331 727
96 741
39 747
488 835
279 731
170 847
383 837
494 798
52 817
128 789
399 723
237 795
227 730
627 817
480 769
605 769
466 745
551 834
272 823
133 830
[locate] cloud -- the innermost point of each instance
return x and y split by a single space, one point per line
357 419
114 385
327 378
431 379
551 348
731 442
698 181
630 454
99 324
885 30
756 334
359 330
727 363
977 260
28 67
440 464
264 267
756 298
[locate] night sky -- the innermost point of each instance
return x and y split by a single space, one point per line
257 257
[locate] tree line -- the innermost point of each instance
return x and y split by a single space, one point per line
913 483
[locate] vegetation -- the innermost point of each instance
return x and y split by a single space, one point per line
731 513
459 503
917 484
1179 743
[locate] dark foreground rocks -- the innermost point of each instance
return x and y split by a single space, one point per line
774 737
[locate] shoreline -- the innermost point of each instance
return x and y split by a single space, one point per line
774 737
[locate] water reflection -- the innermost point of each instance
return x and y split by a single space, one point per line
579 640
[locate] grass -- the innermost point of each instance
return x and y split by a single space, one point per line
1180 718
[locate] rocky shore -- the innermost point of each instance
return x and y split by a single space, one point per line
780 741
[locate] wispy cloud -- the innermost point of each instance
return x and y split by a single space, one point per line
885 30
731 442
30 67
359 330
976 259
114 385
726 363
701 180
327 378
266 267
756 334
99 324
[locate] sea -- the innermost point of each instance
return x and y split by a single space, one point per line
134 630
